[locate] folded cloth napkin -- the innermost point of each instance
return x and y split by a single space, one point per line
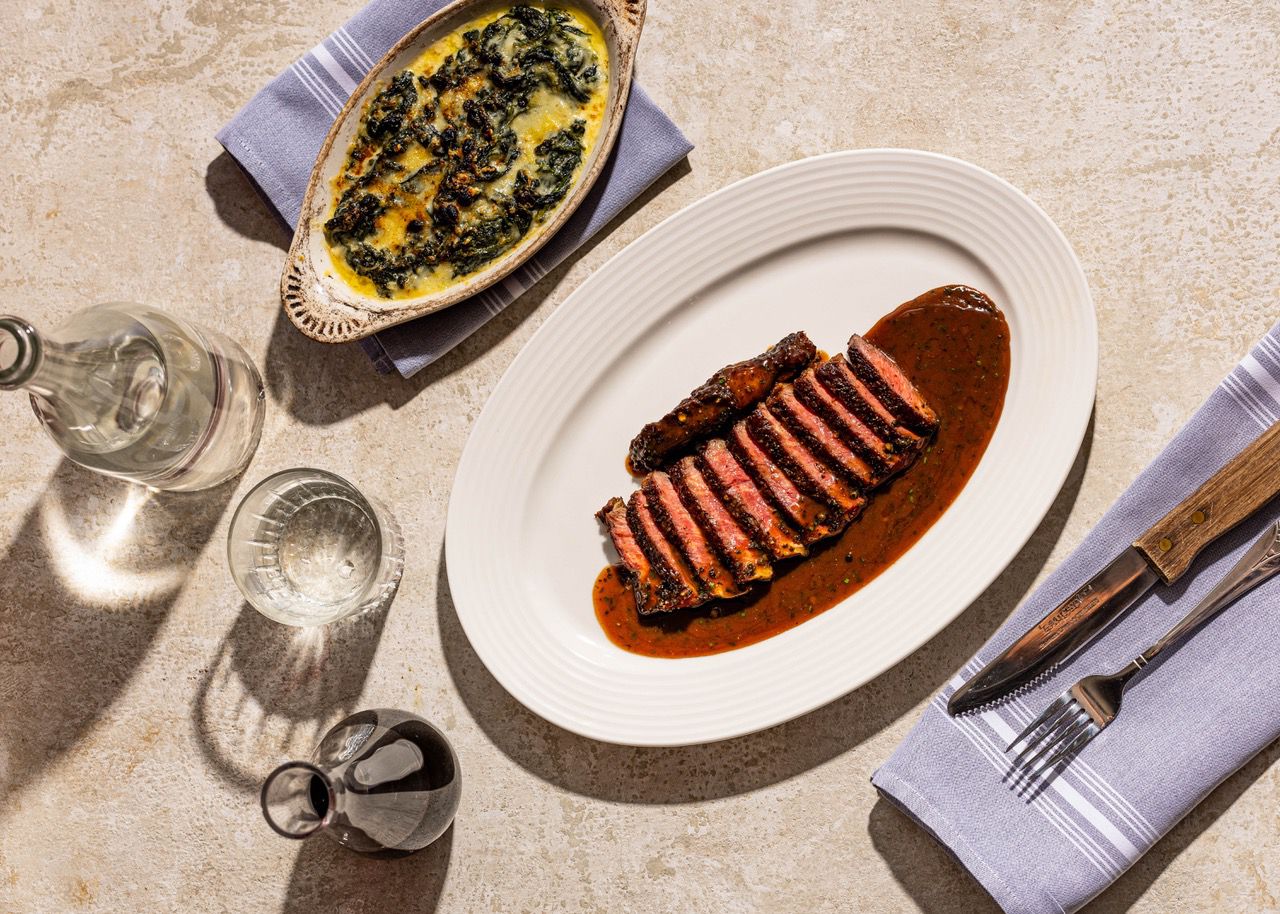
277 135
1191 721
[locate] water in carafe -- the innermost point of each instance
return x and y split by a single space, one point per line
134 392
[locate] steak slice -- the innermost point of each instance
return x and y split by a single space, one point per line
725 396
683 532
820 438
745 559
809 474
877 369
747 503
883 458
836 376
677 587
636 569
813 519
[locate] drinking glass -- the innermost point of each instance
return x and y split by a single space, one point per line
381 782
306 548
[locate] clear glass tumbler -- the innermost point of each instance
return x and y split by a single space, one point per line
306 547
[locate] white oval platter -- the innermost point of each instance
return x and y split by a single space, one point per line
826 245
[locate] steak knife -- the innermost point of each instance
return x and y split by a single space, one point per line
1161 555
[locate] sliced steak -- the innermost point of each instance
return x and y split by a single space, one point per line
811 517
752 509
683 532
877 369
809 474
835 375
745 559
727 395
678 588
821 438
636 568
881 456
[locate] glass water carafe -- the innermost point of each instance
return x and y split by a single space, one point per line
381 782
133 392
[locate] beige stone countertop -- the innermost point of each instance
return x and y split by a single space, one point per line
141 702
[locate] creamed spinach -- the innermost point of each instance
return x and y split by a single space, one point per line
459 155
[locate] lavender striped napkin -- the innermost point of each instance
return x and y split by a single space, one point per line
1199 715
277 135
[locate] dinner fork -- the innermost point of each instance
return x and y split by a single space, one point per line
1085 709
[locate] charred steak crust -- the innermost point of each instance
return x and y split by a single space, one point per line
822 438
877 369
809 516
724 397
806 471
793 465
883 459
684 534
747 561
749 506
836 376
636 569
676 587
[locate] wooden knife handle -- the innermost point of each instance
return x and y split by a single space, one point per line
1248 481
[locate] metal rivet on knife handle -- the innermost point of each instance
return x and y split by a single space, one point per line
1247 482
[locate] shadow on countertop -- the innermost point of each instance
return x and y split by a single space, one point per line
925 869
319 383
88 581
241 205
326 877
704 772
272 691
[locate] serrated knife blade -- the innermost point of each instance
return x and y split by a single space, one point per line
1069 626
1163 553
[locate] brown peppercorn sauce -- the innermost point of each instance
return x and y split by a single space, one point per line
958 356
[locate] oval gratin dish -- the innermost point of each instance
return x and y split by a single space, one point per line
319 301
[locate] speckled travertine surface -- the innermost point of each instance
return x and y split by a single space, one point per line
141 702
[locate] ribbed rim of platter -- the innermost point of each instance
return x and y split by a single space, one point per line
645 701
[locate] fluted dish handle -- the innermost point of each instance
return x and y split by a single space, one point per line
628 18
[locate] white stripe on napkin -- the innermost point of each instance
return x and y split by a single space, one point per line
1094 782
1248 402
1087 847
1271 348
1061 785
311 71
312 85
1255 382
354 45
358 66
1072 796
333 68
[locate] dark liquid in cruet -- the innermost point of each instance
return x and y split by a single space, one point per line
318 794
399 790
